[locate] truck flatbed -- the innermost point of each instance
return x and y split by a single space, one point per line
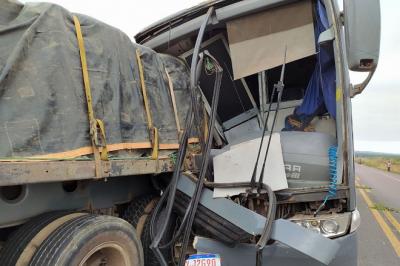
17 173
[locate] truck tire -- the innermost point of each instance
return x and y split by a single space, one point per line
91 240
139 214
20 241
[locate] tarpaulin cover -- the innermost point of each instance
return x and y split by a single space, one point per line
320 92
43 106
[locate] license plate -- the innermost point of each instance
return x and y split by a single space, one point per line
203 260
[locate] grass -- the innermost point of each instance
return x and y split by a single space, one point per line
363 187
381 207
380 162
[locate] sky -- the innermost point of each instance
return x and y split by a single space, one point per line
376 112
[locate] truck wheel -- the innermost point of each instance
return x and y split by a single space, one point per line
21 245
139 214
91 240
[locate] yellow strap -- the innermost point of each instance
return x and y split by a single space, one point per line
85 72
154 154
153 130
104 151
144 91
205 124
95 124
171 91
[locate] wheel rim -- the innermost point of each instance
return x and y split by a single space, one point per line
105 254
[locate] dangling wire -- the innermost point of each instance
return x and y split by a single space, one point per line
205 159
277 88
267 231
332 155
190 118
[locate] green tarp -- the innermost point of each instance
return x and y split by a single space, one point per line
42 100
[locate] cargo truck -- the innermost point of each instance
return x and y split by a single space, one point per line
223 136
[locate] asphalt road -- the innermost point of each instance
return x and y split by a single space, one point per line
378 200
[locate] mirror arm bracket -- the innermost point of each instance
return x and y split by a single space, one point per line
358 88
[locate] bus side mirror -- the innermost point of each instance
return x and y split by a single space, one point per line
362 23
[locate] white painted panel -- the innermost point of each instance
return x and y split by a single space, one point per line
237 164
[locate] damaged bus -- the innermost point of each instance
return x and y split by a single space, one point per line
223 136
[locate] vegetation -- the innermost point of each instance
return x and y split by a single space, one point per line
381 207
363 187
379 160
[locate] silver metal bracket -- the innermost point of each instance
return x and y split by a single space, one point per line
358 88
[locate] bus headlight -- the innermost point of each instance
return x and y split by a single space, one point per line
329 225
